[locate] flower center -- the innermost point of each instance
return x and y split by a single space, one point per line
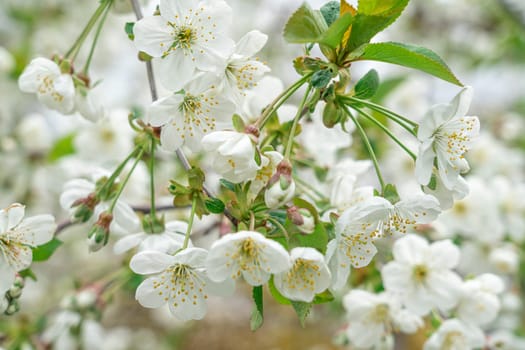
454 340
302 275
379 314
420 273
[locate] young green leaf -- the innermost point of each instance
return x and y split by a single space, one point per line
44 252
321 78
129 30
62 147
367 86
304 26
257 318
330 11
411 56
214 205
333 36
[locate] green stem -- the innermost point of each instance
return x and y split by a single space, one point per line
281 227
279 100
73 51
386 131
190 223
399 119
308 186
95 39
125 181
296 119
152 179
368 147
109 182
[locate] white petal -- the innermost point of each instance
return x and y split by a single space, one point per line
425 162
7 276
251 43
11 216
176 70
36 230
443 254
410 249
194 257
152 35
461 103
170 138
32 76
150 262
149 296
128 242
163 110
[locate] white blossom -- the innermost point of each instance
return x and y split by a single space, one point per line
188 115
179 280
269 162
373 316
186 37
53 88
18 235
279 193
233 155
446 134
307 277
454 334
421 274
479 303
246 253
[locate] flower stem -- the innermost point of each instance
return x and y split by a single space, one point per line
73 51
95 39
279 100
279 226
300 112
109 182
190 223
125 181
399 119
368 147
386 131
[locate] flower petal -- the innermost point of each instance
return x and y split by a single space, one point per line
150 262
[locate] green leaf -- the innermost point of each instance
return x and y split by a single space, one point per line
335 33
128 27
302 310
330 11
411 56
257 318
44 252
62 147
238 123
214 205
304 26
324 297
367 86
317 239
373 17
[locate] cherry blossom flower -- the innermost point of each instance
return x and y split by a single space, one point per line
246 253
421 275
233 155
53 88
374 316
446 134
243 71
188 35
454 334
179 280
17 238
269 162
307 277
188 115
479 303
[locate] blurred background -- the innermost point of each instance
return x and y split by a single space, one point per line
483 41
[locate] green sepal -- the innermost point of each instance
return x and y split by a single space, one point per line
128 27
367 86
27 273
390 194
302 310
323 297
45 251
281 299
238 123
227 184
214 205
257 318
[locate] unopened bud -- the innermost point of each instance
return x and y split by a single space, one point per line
86 298
294 215
3 304
85 207
14 292
279 193
99 234
13 308
308 225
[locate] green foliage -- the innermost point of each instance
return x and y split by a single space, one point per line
257 318
317 239
128 27
411 56
390 193
367 86
44 252
335 33
281 299
227 184
238 123
321 78
304 26
62 147
27 273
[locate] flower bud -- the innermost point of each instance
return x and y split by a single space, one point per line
14 292
279 193
85 207
86 298
99 234
308 225
13 308
3 304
